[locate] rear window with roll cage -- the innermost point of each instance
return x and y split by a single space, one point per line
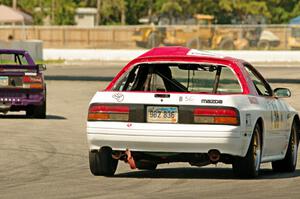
13 59
179 77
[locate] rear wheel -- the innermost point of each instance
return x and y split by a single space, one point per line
288 164
141 44
263 44
102 163
37 111
226 44
248 166
194 43
153 40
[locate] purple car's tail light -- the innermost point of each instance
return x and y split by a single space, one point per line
35 82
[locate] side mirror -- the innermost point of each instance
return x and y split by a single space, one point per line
42 67
282 92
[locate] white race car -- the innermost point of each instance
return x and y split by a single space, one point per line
175 104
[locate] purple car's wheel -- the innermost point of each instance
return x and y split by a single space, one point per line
37 111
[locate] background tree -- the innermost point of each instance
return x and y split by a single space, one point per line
295 11
64 12
130 11
282 11
174 9
137 9
240 11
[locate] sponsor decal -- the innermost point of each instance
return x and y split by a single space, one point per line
188 98
195 52
275 115
211 101
31 74
129 125
253 100
118 96
248 120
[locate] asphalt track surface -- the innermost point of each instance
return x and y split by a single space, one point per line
49 158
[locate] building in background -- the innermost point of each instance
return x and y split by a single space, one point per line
86 17
10 16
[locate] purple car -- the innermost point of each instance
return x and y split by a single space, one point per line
22 85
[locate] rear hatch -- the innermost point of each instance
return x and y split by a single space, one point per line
182 93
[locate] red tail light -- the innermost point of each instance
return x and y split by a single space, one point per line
108 113
32 82
229 116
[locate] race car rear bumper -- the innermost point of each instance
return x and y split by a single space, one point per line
15 101
176 138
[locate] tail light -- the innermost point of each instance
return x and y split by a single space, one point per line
33 82
108 113
227 116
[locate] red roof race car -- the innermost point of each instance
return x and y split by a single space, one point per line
174 104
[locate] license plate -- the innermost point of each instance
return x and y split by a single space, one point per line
3 81
162 114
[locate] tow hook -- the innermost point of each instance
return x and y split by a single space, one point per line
130 159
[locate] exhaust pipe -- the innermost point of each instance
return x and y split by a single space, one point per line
214 155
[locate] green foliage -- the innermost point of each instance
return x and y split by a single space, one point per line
282 11
6 2
225 11
111 11
241 10
137 9
175 8
64 12
296 10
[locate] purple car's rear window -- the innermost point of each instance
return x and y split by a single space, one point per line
13 59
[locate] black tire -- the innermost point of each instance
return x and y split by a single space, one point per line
263 45
37 111
142 165
226 44
94 161
141 44
153 40
288 164
295 48
248 166
194 43
102 163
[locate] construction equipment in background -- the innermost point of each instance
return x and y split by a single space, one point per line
199 33
149 36
204 35
294 36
